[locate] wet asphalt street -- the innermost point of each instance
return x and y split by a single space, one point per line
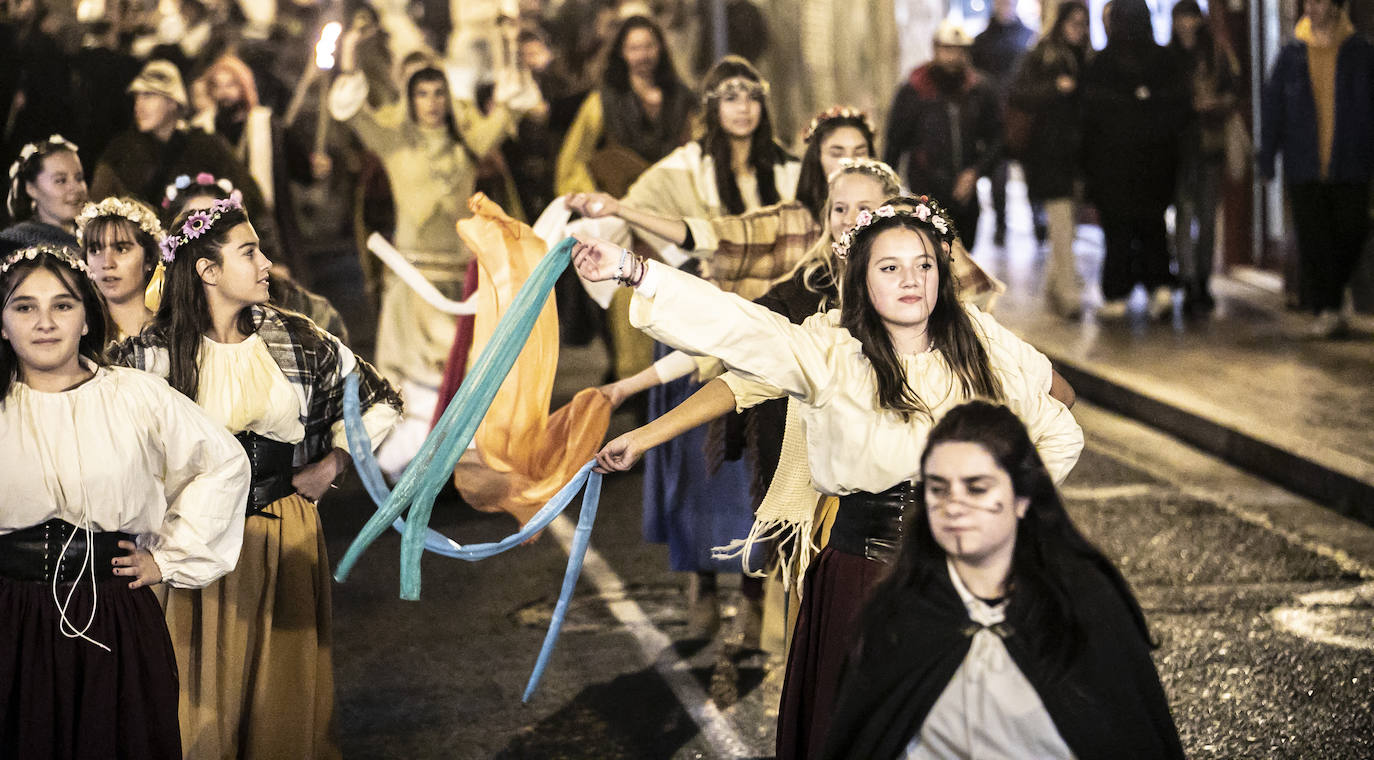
1263 604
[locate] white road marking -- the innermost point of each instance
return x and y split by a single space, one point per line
1107 493
656 648
1317 613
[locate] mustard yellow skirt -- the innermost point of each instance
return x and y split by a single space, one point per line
253 649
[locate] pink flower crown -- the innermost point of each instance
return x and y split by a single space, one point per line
923 209
196 225
837 112
184 182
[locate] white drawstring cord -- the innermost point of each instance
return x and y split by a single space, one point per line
65 625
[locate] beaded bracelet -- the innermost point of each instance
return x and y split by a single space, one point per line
620 268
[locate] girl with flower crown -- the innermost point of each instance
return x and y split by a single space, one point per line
736 166
253 649
119 239
871 379
47 190
120 483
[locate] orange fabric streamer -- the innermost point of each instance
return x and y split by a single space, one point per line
524 453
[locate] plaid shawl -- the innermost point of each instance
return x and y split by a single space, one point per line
313 361
755 249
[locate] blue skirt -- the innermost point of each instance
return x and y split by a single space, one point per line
684 507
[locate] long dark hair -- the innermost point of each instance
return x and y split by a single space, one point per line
1049 548
617 73
764 151
1130 25
183 318
80 286
950 328
1204 54
19 202
813 187
432 74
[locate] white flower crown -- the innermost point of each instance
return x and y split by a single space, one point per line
135 212
32 148
60 252
837 112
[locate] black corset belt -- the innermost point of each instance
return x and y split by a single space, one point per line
870 524
35 553
272 471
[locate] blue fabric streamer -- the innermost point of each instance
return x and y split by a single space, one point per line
434 464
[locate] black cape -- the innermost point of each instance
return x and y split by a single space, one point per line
1108 705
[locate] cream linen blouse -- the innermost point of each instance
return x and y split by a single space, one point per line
130 454
851 445
243 389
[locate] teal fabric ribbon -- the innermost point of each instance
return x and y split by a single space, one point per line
433 465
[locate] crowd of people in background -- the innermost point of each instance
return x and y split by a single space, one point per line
808 323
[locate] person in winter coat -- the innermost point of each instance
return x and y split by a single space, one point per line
997 51
1047 88
1318 110
942 161
1135 103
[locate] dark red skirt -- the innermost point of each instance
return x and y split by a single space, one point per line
836 588
68 698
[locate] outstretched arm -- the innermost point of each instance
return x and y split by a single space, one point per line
597 205
713 400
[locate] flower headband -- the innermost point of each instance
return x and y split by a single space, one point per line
30 150
837 112
196 225
872 167
737 85
204 179
924 209
60 252
133 211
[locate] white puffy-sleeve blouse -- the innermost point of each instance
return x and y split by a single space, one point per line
852 444
130 454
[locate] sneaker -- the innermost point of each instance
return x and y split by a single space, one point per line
1112 309
1328 324
1161 303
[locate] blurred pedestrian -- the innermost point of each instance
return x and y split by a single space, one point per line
1001 632
1318 111
142 161
640 112
234 113
47 190
1212 73
1047 89
996 52
431 155
946 126
1135 102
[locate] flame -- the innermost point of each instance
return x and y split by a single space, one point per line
324 49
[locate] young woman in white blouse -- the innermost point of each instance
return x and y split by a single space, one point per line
900 352
254 648
114 482
1001 632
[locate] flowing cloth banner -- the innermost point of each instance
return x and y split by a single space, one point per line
360 447
433 465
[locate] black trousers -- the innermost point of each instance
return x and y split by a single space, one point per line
1137 251
1331 220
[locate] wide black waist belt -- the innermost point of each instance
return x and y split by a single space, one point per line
272 471
35 554
870 524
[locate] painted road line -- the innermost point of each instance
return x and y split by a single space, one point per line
656 647
1108 493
